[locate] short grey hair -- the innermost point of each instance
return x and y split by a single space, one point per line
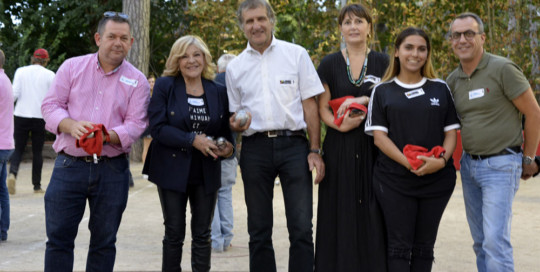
471 15
2 58
223 61
253 4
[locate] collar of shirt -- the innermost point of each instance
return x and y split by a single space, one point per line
272 45
98 66
481 65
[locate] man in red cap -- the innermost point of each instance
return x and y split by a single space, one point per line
30 85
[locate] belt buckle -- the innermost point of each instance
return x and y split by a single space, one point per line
271 133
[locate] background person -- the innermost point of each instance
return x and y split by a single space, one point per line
119 95
6 145
412 107
30 85
491 95
350 230
223 221
186 107
276 82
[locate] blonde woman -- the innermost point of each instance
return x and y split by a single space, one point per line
185 108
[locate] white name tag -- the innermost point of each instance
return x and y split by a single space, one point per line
195 101
476 94
370 78
129 81
414 93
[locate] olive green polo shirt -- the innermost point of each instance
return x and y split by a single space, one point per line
489 120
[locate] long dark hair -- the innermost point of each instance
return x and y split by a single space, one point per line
394 67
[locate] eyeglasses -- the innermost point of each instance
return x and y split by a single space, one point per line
469 35
116 14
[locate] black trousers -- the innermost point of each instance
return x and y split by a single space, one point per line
202 205
412 224
35 128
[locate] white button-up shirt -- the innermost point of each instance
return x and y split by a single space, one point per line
272 86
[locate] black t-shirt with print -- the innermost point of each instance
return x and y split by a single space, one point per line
200 117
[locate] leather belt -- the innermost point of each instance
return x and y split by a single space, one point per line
281 133
93 159
506 151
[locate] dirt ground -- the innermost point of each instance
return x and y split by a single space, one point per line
141 231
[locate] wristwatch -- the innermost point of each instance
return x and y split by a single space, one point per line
318 151
527 160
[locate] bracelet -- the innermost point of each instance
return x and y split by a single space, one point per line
445 160
230 154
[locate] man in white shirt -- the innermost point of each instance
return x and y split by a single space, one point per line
30 84
276 82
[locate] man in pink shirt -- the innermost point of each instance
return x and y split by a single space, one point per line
6 145
100 88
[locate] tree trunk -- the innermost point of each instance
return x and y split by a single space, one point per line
139 55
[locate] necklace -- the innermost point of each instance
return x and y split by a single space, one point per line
360 79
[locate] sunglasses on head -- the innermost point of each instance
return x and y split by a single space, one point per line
116 14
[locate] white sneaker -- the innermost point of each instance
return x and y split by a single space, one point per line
11 183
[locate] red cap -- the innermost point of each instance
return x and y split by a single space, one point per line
41 54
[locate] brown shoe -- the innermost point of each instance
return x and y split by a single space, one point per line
39 191
11 183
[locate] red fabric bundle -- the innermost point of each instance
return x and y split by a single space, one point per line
336 103
92 141
412 151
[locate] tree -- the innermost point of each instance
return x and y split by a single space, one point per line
139 55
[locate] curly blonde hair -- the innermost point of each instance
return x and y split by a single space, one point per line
179 49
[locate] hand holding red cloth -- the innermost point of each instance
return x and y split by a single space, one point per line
412 151
336 103
92 141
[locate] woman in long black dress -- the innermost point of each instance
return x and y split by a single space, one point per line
350 232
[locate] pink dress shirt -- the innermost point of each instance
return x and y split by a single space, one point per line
82 91
6 113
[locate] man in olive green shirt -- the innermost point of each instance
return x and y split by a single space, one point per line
491 94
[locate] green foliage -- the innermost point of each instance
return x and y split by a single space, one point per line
167 23
66 28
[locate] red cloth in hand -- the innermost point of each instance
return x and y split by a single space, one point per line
336 103
92 141
412 151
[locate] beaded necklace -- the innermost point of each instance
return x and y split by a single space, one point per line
360 79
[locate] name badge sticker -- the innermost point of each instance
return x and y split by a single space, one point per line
195 101
129 81
476 93
286 82
415 93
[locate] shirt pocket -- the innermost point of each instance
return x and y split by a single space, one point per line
287 87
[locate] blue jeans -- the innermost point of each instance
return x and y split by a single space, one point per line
4 195
489 187
261 161
222 224
105 185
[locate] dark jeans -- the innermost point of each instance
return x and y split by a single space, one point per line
261 161
73 182
23 128
202 206
4 195
412 224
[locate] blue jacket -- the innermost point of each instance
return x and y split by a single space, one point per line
169 156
